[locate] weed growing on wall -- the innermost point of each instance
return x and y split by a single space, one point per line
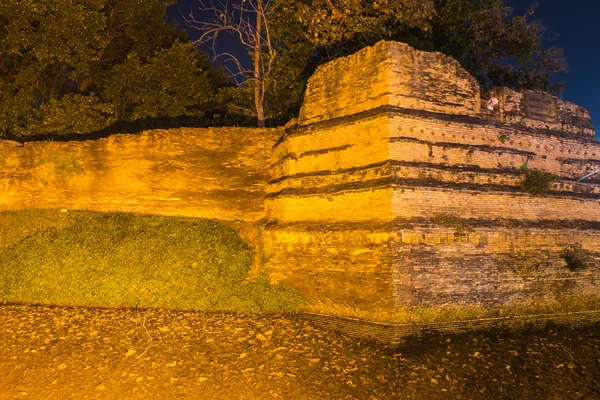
283 155
115 259
536 182
576 257
452 221
430 147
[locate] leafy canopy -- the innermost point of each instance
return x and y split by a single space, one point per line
494 45
76 66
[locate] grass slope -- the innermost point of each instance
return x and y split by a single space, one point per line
116 259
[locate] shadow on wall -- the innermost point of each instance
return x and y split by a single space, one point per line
138 126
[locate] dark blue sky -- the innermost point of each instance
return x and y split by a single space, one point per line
576 23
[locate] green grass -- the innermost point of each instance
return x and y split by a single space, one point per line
127 260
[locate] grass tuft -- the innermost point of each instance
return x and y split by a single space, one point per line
537 182
452 221
576 258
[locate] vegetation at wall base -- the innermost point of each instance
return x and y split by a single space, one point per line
455 313
128 260
408 314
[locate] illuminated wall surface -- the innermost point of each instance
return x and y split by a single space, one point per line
207 173
396 186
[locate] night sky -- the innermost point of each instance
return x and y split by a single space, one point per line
576 23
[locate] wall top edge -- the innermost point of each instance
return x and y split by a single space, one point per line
269 133
395 74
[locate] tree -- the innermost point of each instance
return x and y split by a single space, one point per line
170 83
249 21
63 65
499 49
42 57
495 46
330 23
312 32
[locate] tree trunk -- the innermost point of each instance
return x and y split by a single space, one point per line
258 94
260 112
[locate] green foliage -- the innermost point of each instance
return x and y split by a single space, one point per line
62 61
172 83
72 113
97 259
495 46
576 257
239 100
537 182
326 23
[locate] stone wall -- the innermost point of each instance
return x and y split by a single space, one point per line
540 110
397 189
217 174
389 73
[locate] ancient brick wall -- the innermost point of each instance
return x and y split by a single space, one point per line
209 173
389 73
540 110
398 189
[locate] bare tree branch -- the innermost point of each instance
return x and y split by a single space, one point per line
248 21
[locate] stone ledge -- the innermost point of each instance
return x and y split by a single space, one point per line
506 224
401 183
399 333
391 111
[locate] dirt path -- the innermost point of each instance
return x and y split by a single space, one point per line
78 353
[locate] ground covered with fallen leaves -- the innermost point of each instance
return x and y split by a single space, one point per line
82 353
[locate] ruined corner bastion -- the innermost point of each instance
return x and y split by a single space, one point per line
398 189
395 190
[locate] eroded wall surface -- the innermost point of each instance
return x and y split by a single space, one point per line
399 188
217 173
